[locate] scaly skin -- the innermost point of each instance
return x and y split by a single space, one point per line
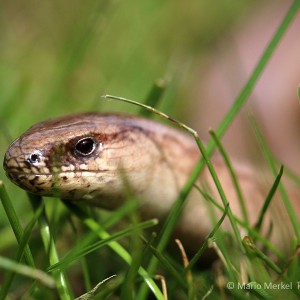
156 160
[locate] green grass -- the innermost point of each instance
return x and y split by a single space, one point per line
60 61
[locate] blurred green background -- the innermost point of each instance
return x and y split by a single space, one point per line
59 57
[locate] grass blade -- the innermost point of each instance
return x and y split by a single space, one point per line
268 200
14 222
232 174
49 245
24 270
294 220
22 246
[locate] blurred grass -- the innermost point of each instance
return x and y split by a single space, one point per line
58 57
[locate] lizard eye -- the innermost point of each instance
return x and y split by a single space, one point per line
85 146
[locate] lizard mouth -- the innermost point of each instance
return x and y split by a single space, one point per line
76 173
34 183
59 183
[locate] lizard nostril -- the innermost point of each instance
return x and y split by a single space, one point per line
34 157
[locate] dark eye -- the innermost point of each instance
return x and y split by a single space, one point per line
85 146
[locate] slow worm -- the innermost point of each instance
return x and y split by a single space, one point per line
80 157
